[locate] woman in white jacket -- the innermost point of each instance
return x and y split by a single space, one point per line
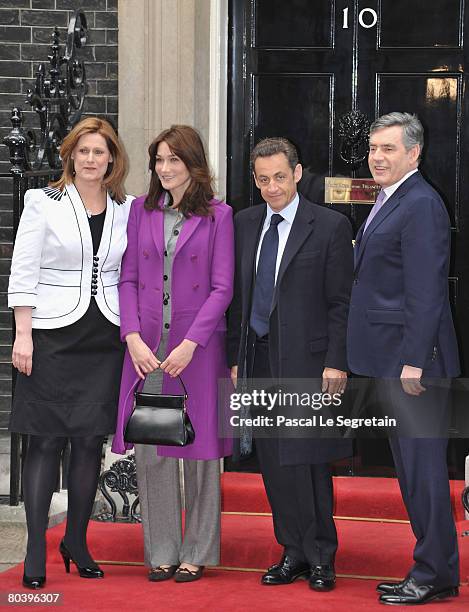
63 288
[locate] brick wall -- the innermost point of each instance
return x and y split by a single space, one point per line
26 28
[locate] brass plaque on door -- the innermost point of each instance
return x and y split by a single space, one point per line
344 190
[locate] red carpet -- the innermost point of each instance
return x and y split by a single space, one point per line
126 588
364 497
369 549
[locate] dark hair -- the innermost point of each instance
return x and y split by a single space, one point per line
117 170
271 146
185 142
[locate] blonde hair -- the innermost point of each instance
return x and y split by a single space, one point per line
117 169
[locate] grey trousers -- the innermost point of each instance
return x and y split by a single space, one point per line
160 506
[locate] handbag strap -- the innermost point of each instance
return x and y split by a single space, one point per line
180 380
183 386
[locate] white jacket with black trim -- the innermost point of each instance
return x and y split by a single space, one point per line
53 268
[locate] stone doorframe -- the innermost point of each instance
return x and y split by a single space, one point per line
172 69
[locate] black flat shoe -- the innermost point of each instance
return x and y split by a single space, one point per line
285 572
411 594
158 574
184 574
322 577
34 582
85 572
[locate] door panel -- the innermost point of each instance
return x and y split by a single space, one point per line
426 23
292 24
302 110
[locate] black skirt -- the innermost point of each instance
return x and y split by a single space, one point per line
73 389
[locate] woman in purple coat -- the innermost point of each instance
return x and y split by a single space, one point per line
175 286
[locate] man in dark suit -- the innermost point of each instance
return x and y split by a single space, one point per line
288 320
400 327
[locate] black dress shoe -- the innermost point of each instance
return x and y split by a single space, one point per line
34 582
286 571
322 577
390 587
84 571
411 594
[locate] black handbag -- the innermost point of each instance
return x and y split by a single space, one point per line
160 419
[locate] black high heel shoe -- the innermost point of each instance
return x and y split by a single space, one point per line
85 572
33 582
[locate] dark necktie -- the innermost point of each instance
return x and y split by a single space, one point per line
265 279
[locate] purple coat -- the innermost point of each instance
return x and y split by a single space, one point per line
201 291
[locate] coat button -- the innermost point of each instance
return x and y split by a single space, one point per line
193 257
196 286
142 285
176 232
165 302
166 325
93 292
145 254
165 277
95 258
166 253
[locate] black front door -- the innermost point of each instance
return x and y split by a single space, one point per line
297 67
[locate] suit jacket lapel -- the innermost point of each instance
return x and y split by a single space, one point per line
107 229
250 231
82 220
388 207
385 211
157 230
302 227
251 234
188 228
358 239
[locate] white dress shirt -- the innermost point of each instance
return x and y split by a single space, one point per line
284 227
392 188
